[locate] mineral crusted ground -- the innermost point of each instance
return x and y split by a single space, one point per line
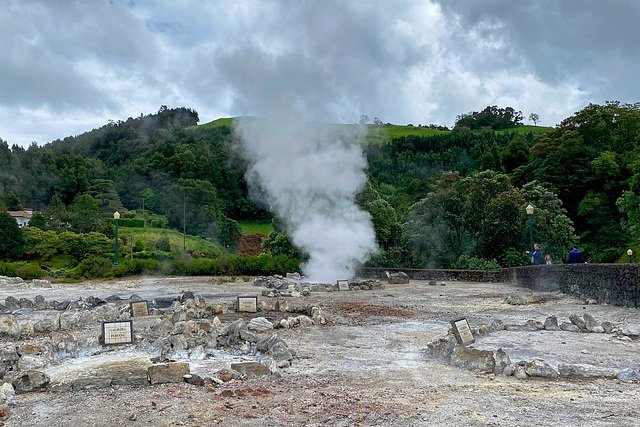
368 365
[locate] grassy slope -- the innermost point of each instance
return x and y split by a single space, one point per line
149 237
254 227
378 135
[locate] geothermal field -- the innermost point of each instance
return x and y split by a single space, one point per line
367 352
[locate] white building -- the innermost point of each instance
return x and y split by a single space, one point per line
22 217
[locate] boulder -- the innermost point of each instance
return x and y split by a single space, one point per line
502 361
520 372
4 412
397 278
607 326
260 325
29 381
627 374
569 327
11 303
9 326
586 371
7 393
631 330
591 325
551 324
41 283
578 322
251 367
168 373
539 368
472 359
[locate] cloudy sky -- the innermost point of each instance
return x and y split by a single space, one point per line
69 66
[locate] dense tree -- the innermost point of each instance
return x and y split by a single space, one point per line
11 238
85 215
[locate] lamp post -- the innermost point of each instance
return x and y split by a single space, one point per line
630 253
116 216
529 210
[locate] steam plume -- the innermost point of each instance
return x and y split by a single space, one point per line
309 175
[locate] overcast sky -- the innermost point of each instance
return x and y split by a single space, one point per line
69 66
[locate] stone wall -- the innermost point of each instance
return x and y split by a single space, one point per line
500 276
617 284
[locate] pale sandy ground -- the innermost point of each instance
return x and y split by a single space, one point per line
367 366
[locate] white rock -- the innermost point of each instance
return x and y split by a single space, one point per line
216 322
7 393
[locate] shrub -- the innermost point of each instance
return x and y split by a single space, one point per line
39 243
7 269
94 267
138 246
467 262
30 271
163 244
82 246
202 267
137 266
130 223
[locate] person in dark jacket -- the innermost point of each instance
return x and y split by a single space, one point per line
575 256
536 255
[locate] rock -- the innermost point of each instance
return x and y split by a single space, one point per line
585 371
9 326
4 412
77 319
260 325
7 393
432 283
569 327
29 381
11 303
472 359
317 316
216 322
225 374
40 303
630 330
30 362
497 325
168 372
304 321
279 352
551 324
578 322
397 278
591 301
502 361
534 325
253 367
509 370
91 383
48 321
539 368
607 326
591 325
484 329
520 372
627 374
41 283
186 296
284 323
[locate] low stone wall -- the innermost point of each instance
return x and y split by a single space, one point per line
617 284
500 276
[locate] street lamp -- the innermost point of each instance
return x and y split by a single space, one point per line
630 253
529 210
116 216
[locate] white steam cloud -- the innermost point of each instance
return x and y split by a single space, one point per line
309 174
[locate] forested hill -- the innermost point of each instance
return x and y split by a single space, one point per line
437 197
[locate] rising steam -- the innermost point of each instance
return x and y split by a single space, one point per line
309 175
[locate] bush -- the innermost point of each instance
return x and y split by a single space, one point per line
467 262
202 267
137 266
39 243
7 269
94 267
131 223
30 271
138 246
163 244
82 246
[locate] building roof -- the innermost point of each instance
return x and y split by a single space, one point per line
20 214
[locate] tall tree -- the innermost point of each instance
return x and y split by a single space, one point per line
11 238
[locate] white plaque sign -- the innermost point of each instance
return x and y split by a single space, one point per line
462 331
139 308
248 304
117 332
343 285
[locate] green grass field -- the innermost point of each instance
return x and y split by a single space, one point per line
381 134
255 227
149 237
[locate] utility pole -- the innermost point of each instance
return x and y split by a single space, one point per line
184 222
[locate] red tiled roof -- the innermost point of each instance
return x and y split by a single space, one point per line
21 214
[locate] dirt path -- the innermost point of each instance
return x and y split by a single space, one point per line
367 366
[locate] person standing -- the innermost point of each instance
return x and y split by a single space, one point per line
536 256
547 260
575 256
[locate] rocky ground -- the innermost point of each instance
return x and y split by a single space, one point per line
368 365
